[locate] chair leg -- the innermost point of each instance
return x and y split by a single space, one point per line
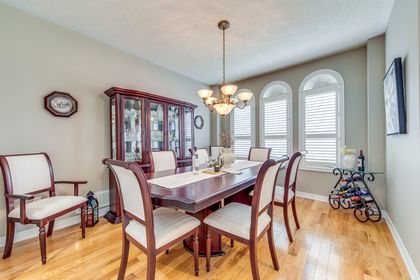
10 234
208 249
286 222
50 227
151 266
196 269
83 220
272 247
295 217
232 243
43 243
124 258
254 260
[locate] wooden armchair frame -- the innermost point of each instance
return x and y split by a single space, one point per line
23 198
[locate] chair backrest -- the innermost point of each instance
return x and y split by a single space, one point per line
292 172
203 156
134 194
27 173
263 197
162 160
259 154
215 150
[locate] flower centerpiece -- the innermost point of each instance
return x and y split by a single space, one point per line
227 140
349 159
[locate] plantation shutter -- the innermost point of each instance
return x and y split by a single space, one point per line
242 130
320 127
275 126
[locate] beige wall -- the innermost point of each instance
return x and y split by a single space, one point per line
352 66
403 151
376 114
36 58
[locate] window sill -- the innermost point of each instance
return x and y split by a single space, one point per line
317 169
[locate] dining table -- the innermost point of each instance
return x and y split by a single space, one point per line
199 196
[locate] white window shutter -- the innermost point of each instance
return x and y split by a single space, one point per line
275 114
242 130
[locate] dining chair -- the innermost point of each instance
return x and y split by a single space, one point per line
27 175
284 198
247 224
259 154
215 151
162 160
203 156
152 231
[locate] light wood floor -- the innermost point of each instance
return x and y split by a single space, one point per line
331 244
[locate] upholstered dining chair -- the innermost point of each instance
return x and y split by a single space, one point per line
259 154
215 150
286 194
203 156
24 176
162 160
247 224
284 198
152 231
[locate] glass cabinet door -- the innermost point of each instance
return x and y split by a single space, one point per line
132 129
156 127
188 113
173 130
113 130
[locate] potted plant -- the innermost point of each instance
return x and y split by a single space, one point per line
227 141
349 158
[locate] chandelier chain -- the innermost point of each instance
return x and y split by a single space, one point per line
224 57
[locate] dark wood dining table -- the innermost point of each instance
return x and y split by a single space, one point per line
201 198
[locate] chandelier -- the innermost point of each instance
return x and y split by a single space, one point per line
225 102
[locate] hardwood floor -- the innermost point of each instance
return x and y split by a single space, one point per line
331 244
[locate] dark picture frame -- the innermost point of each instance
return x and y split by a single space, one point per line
60 104
198 122
394 99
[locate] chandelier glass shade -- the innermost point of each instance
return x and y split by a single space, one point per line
225 102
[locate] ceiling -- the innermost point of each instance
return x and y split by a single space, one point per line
182 35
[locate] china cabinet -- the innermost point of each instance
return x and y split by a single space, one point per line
141 121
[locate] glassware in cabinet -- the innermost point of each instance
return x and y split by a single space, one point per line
173 129
132 129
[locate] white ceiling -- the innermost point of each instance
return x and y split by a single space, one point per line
182 35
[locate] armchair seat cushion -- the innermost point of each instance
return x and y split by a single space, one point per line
169 224
235 218
47 207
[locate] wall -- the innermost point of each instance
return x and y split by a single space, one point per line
353 67
403 151
36 58
375 114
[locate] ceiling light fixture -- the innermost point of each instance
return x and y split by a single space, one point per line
225 102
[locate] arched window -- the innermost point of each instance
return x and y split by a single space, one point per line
242 123
276 118
321 118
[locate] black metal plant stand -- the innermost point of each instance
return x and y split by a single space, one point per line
352 192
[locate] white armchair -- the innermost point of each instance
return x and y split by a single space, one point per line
25 176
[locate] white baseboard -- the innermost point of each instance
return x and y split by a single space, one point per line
312 196
401 247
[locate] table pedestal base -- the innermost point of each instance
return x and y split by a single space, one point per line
216 239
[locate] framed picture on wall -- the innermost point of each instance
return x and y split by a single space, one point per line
394 99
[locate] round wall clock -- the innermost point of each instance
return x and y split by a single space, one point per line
198 122
60 104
